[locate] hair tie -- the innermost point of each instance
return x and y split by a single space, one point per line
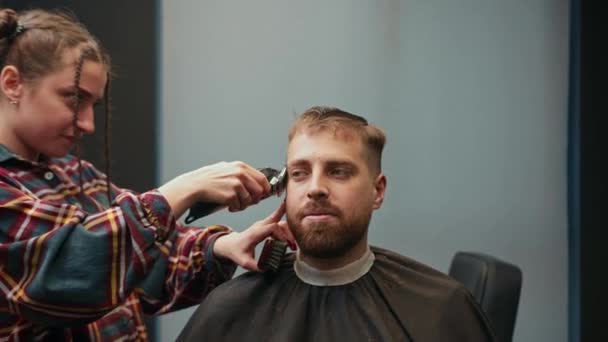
18 30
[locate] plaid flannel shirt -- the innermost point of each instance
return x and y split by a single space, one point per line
74 267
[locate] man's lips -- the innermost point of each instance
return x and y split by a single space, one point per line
319 213
318 218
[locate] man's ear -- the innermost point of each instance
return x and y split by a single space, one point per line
380 189
11 83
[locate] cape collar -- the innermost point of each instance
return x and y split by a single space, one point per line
336 277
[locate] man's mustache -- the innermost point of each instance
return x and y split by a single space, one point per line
318 208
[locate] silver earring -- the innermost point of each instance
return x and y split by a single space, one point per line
14 102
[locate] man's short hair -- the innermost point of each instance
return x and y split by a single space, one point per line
340 122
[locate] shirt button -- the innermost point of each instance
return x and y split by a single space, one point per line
49 175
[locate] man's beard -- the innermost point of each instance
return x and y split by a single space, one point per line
327 240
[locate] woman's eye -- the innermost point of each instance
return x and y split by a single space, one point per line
70 100
69 95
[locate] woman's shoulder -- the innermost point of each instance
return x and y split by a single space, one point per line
74 167
71 161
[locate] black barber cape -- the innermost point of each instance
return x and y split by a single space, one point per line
394 299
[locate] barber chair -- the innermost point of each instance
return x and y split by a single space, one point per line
495 284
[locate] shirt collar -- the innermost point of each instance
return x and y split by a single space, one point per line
7 155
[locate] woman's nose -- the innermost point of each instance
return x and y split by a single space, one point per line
86 121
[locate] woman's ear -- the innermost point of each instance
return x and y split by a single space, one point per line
380 190
11 83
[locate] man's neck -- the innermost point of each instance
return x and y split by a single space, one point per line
355 253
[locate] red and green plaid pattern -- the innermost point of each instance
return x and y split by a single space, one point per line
69 258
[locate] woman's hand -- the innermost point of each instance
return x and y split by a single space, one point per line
240 247
236 185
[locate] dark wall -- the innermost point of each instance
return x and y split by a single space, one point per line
593 171
128 30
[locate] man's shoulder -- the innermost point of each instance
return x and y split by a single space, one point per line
239 299
414 277
433 303
249 282
404 264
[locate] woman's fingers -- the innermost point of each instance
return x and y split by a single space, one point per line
240 247
276 215
251 187
289 238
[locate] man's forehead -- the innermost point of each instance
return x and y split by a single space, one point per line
337 132
327 134
322 146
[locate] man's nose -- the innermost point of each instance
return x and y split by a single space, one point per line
318 187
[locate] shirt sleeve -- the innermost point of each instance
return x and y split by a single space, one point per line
62 266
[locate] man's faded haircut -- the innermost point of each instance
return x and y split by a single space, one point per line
342 123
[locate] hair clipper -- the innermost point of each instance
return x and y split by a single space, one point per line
276 178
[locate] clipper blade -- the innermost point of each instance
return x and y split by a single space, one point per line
276 178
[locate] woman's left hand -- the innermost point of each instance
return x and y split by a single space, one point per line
240 247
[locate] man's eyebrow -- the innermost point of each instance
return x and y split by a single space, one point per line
330 163
297 162
334 163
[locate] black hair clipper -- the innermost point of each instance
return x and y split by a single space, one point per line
276 178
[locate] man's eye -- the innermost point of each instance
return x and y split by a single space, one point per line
297 174
340 172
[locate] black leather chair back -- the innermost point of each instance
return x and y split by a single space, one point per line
495 284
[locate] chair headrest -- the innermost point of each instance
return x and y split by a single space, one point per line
495 284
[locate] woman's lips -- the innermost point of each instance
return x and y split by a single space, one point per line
70 139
